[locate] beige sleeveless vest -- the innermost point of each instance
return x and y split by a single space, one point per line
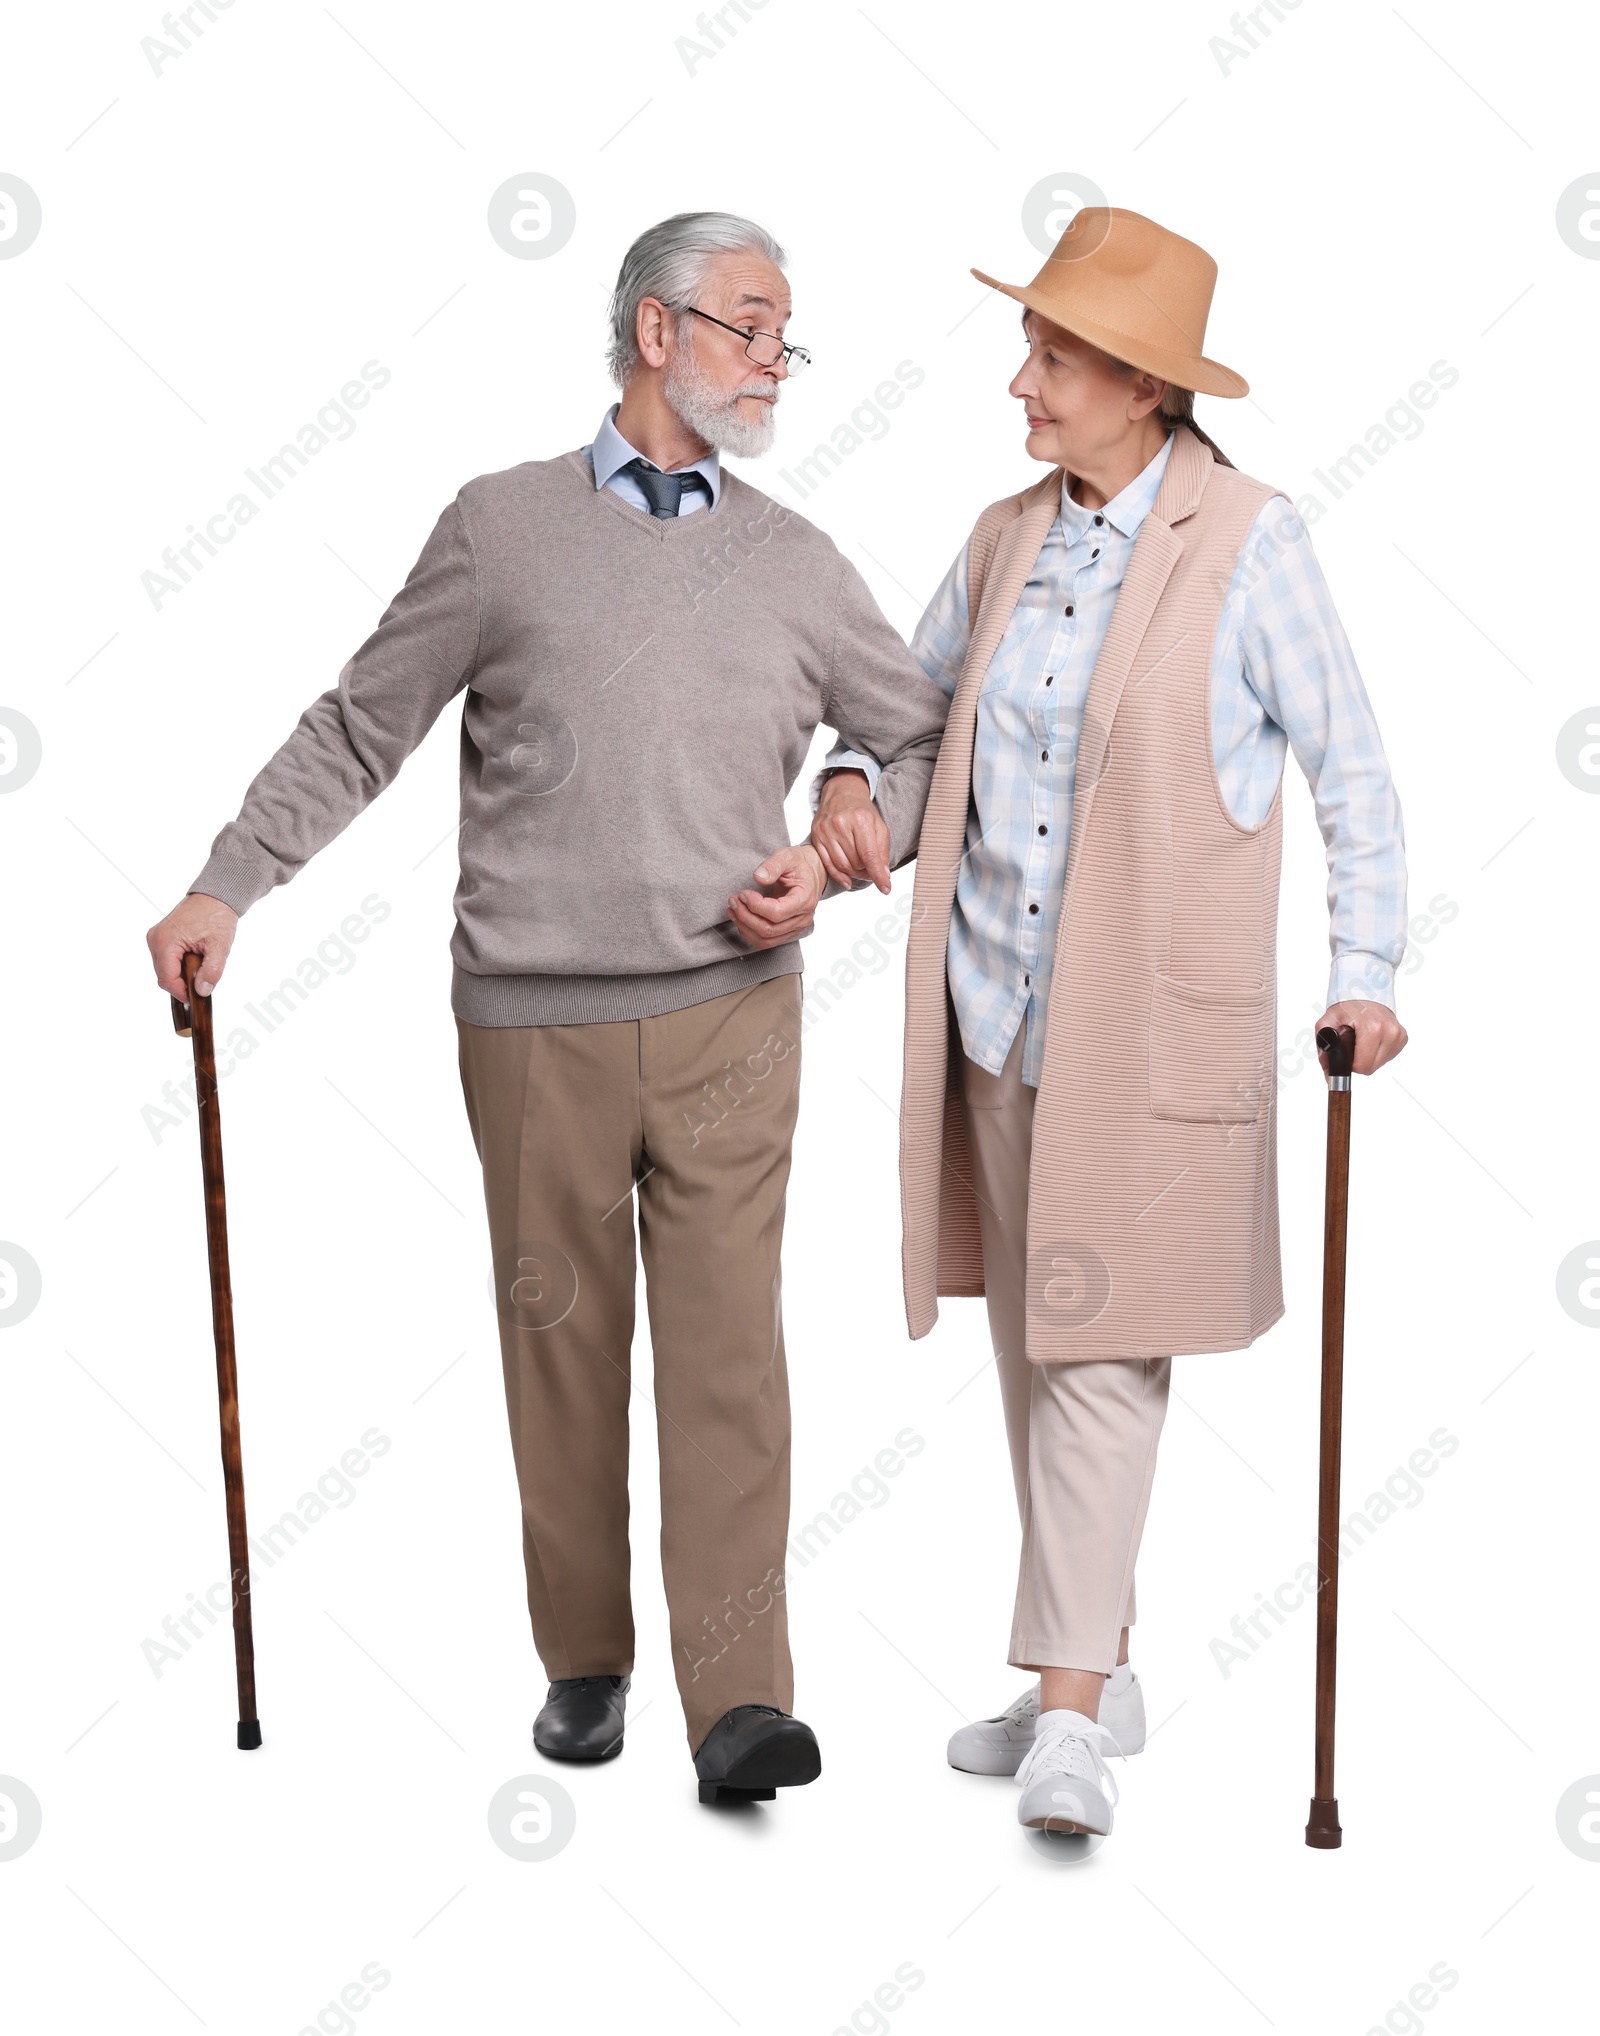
1152 1200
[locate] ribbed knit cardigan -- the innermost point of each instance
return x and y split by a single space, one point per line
1152 1199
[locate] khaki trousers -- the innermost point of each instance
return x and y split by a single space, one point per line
697 1108
1083 1435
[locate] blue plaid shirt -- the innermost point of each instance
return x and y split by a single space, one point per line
1283 677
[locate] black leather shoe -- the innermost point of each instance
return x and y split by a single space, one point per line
582 1718
753 1751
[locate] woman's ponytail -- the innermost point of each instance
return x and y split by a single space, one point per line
1177 407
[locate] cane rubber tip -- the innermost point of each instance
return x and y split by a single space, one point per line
1323 1829
249 1734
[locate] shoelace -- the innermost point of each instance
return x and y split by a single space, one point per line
1069 1751
1022 1712
1025 1711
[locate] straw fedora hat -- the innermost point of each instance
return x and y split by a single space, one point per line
1134 290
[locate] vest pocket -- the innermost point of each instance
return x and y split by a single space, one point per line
1209 1062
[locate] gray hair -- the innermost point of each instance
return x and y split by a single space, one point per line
669 262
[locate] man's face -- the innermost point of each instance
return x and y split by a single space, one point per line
1078 407
709 380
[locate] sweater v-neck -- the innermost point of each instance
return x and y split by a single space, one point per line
660 527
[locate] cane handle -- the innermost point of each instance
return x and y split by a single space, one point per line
180 1006
1338 1051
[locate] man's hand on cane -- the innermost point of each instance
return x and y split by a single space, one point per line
196 925
849 833
1379 1033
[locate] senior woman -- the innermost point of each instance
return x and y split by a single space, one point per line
1131 645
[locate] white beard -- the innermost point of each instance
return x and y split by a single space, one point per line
697 402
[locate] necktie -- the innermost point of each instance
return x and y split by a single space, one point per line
663 491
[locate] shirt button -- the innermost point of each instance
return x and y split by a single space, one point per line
1033 908
1044 756
1050 681
1042 828
1095 553
1027 982
1098 521
1069 608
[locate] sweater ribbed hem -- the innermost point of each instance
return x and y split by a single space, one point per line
606 1000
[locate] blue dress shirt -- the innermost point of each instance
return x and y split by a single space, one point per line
611 453
1283 677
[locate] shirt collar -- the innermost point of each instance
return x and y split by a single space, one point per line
1125 511
611 452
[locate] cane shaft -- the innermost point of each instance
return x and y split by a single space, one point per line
205 1081
1333 1274
1323 1829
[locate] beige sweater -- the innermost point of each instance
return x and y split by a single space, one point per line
640 696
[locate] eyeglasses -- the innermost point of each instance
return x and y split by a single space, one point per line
766 349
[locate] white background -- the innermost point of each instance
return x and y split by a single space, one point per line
224 244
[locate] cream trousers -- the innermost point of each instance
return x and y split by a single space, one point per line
1083 1435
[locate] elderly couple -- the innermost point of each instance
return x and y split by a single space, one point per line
1088 737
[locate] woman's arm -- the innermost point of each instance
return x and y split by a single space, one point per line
1299 683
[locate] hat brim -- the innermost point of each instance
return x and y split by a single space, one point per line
1187 371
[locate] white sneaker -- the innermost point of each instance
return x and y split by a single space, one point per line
1064 1777
997 1745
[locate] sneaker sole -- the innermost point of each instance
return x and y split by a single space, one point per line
993 1766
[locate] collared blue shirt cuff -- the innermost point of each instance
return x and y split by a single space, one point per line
841 759
1357 977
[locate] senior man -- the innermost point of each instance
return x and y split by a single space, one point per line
647 646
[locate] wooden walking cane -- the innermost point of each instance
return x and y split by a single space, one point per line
1338 1056
194 1019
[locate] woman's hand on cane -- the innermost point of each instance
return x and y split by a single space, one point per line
196 925
1379 1033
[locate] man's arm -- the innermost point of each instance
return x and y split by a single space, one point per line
850 832
1299 665
348 747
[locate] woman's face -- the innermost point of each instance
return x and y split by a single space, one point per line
1079 408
